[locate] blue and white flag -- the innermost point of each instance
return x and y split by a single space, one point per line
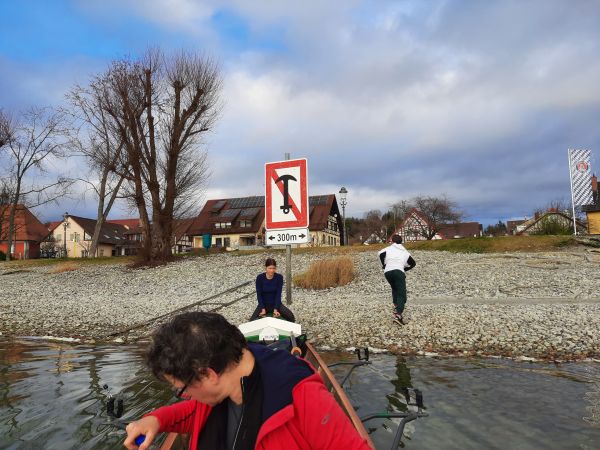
581 176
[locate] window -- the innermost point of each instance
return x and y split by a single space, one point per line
87 237
218 242
77 236
71 236
222 224
245 223
226 242
59 237
101 252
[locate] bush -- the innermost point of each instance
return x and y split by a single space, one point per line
553 226
64 267
327 273
2 256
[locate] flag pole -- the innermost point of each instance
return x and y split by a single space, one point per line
572 198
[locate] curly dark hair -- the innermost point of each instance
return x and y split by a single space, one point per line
397 239
190 343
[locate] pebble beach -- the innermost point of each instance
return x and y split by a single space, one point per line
520 305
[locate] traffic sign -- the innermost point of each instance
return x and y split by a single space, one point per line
286 237
286 195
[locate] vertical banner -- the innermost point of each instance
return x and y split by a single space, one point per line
580 169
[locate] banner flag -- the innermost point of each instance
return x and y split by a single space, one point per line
580 169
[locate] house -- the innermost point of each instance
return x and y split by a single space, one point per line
74 236
551 218
182 241
132 234
412 226
460 230
29 232
415 226
513 225
239 223
593 211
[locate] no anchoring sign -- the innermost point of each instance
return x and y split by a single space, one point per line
286 195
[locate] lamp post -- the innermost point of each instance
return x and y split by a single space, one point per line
65 225
343 202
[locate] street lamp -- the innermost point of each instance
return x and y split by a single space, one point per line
65 226
343 202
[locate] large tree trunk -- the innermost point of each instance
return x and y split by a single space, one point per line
11 220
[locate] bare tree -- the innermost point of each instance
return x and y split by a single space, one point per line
374 226
436 211
102 147
6 129
40 136
161 107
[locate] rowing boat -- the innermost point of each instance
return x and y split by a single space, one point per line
270 330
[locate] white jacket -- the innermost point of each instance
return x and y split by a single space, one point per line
396 257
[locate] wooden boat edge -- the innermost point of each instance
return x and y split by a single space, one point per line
332 385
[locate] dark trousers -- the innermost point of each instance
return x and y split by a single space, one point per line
397 280
286 314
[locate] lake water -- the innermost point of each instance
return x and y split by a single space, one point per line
52 397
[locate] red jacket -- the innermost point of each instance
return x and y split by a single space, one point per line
313 420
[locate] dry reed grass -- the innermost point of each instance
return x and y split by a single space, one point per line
64 267
327 273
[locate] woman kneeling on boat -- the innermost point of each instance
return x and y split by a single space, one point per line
240 395
269 285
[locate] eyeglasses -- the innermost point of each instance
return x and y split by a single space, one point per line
179 392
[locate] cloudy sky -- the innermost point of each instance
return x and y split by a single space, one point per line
476 100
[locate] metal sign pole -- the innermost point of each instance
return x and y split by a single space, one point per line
288 265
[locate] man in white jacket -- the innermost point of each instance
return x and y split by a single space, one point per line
396 260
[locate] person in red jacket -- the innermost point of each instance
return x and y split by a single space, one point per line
240 396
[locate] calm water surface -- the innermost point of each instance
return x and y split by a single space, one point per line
51 397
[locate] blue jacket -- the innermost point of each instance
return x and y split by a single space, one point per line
268 292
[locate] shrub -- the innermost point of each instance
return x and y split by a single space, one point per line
64 267
327 273
2 256
553 226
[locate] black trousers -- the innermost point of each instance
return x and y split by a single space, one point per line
397 280
286 314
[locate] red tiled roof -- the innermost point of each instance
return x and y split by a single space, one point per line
236 209
181 227
27 226
128 223
52 225
463 229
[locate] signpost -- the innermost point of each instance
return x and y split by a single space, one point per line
286 208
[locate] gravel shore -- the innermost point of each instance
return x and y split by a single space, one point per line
540 305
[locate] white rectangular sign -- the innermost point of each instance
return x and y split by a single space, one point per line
286 237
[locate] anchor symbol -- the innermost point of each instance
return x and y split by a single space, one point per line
285 179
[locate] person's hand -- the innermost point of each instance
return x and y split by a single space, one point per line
263 312
148 426
276 313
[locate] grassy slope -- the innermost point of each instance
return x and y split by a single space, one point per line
469 245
